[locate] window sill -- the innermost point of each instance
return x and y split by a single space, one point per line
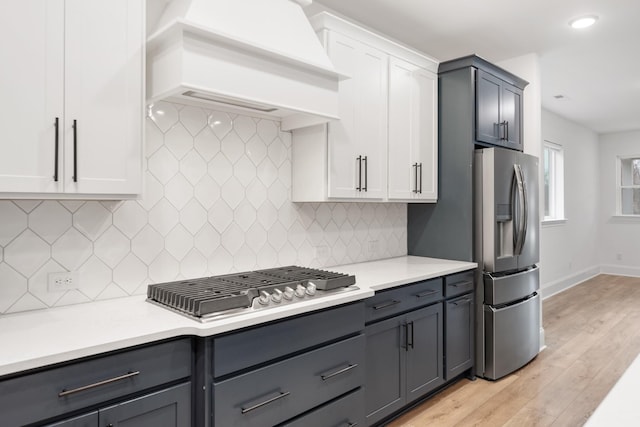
625 218
554 222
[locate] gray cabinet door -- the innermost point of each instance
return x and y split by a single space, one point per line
87 420
385 368
458 335
166 408
511 116
488 108
424 354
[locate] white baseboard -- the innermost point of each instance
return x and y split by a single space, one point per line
557 286
620 270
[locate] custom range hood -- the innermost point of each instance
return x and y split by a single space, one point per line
257 56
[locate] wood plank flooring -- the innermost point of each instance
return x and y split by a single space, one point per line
592 335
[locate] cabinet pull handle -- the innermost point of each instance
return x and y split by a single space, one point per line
405 326
410 344
266 402
386 305
351 424
426 294
461 301
506 126
57 143
420 166
415 180
75 150
462 283
366 162
359 159
341 371
98 384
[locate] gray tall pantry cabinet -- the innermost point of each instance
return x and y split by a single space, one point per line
479 104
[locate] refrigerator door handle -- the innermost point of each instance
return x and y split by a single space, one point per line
521 214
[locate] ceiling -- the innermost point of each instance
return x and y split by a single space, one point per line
597 69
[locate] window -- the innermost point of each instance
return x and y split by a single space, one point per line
629 185
553 164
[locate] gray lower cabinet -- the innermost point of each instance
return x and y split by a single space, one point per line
458 335
165 408
125 379
302 371
404 360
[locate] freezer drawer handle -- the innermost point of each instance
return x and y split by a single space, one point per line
98 384
266 402
426 294
386 305
341 371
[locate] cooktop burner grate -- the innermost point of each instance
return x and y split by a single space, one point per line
204 296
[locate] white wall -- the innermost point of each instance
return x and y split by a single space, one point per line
569 251
618 236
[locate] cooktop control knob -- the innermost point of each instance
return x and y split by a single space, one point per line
288 293
276 296
300 291
263 299
311 289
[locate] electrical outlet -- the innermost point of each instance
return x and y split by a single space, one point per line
62 281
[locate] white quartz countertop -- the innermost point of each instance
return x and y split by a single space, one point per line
44 337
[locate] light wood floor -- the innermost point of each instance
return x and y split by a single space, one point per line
592 335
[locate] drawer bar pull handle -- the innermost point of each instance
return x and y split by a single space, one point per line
385 305
98 384
341 371
458 284
461 301
266 402
426 294
351 424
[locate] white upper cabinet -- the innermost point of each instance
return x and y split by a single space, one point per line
384 147
357 142
413 138
73 98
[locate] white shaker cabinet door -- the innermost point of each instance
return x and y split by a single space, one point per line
413 139
357 142
103 81
31 88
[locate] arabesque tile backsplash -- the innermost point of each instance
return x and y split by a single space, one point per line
216 200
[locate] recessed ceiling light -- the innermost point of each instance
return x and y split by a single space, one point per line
583 21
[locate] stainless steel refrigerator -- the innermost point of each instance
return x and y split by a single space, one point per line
507 249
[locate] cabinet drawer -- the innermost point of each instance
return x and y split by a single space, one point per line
343 412
278 392
56 391
245 349
459 283
398 300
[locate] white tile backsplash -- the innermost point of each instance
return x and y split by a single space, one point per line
216 200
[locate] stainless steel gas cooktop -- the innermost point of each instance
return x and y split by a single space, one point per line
210 298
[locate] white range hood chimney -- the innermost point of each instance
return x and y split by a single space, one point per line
259 56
